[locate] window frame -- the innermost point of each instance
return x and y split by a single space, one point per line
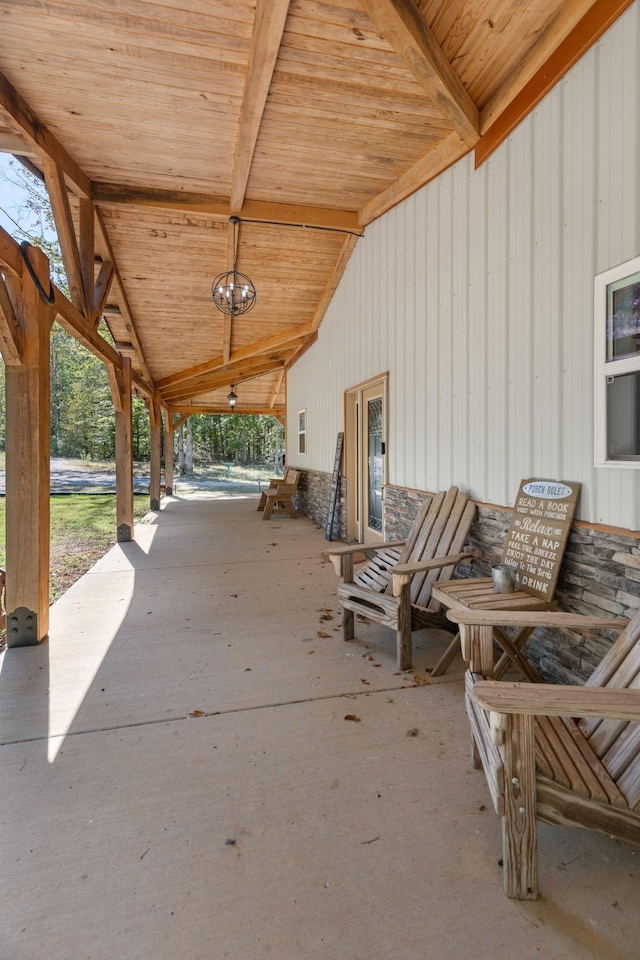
604 368
302 432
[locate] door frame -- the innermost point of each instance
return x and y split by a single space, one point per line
355 453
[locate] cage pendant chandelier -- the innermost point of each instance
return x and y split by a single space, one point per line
233 293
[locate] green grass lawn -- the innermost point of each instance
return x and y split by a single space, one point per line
83 527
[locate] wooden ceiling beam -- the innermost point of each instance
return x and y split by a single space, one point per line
101 288
106 250
224 377
404 28
444 155
268 27
213 408
256 348
276 389
11 335
302 349
10 256
86 249
257 211
545 65
336 275
18 115
59 197
62 169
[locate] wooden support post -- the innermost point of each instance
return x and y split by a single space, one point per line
155 419
519 834
348 624
168 454
27 466
121 391
403 631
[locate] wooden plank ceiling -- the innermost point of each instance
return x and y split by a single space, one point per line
154 122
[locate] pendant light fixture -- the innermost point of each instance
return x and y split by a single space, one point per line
233 293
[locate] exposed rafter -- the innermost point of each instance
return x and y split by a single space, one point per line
334 280
20 117
404 28
277 388
231 373
266 38
549 60
257 348
11 338
188 411
104 245
443 155
60 172
57 190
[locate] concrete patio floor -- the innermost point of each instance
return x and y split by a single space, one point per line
180 780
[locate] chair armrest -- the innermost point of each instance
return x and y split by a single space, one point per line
532 618
281 489
557 700
346 548
337 554
403 572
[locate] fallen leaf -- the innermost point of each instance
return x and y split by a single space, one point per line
362 680
352 716
350 696
321 633
420 681
309 652
327 616
196 713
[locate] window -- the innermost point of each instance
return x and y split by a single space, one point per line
617 366
302 431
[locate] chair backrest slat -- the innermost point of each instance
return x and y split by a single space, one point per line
616 742
441 526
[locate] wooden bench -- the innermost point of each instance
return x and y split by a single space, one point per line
278 496
540 761
291 476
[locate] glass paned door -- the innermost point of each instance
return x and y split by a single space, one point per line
374 464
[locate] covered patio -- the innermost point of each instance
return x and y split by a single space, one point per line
180 778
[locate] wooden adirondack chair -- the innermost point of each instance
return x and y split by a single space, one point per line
279 495
542 765
394 587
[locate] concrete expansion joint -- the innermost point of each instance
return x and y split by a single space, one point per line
202 714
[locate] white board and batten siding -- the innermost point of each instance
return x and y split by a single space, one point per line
476 295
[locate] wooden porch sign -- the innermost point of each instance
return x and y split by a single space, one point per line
335 483
538 533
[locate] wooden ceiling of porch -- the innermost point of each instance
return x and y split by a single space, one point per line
153 122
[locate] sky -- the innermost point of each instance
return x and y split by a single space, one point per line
10 198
